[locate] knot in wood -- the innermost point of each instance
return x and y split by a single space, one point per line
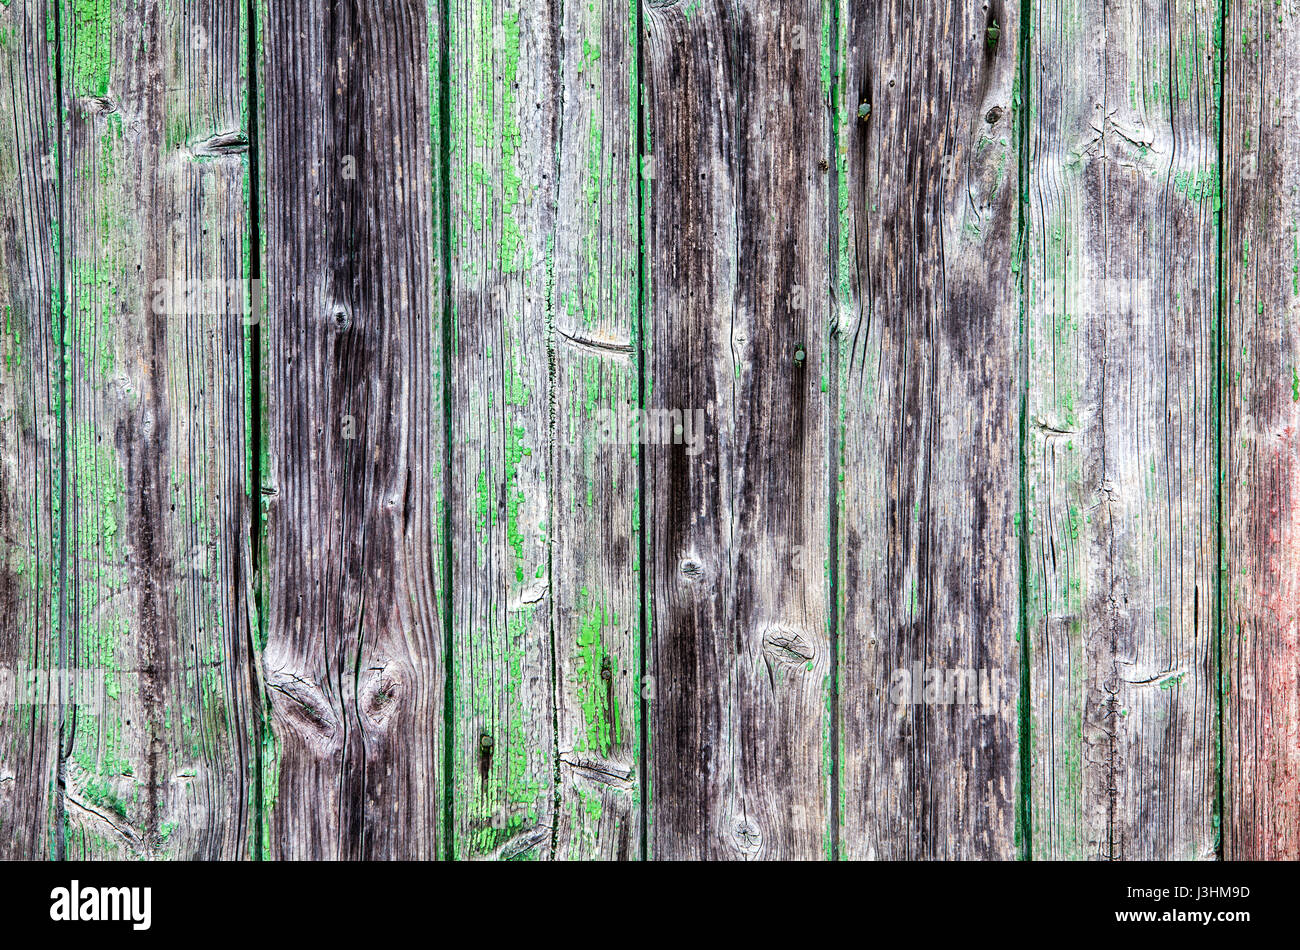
748 838
787 646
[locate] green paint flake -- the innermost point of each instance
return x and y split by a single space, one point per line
1169 682
92 46
593 678
1198 185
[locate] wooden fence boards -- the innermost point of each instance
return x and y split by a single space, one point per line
502 191
1260 296
737 319
546 622
929 396
157 519
355 594
1121 472
31 405
688 429
595 558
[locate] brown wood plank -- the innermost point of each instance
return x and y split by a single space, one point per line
355 431
737 503
31 433
1121 473
929 391
156 233
1261 433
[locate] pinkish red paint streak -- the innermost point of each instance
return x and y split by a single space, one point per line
1262 709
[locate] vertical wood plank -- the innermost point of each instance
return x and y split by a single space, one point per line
546 630
738 326
1261 433
355 431
929 352
595 569
31 423
1121 473
502 147
156 238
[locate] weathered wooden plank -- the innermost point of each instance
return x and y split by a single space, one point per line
594 569
355 430
1120 458
929 370
737 496
546 630
31 425
1261 432
155 229
502 190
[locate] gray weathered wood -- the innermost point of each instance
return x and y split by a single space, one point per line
1261 433
595 560
31 375
355 431
546 629
928 364
157 507
1121 273
737 268
913 334
502 187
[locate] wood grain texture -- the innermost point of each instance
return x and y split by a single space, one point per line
157 515
929 351
1121 472
738 330
546 629
1261 442
355 431
502 191
594 573
683 429
31 458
